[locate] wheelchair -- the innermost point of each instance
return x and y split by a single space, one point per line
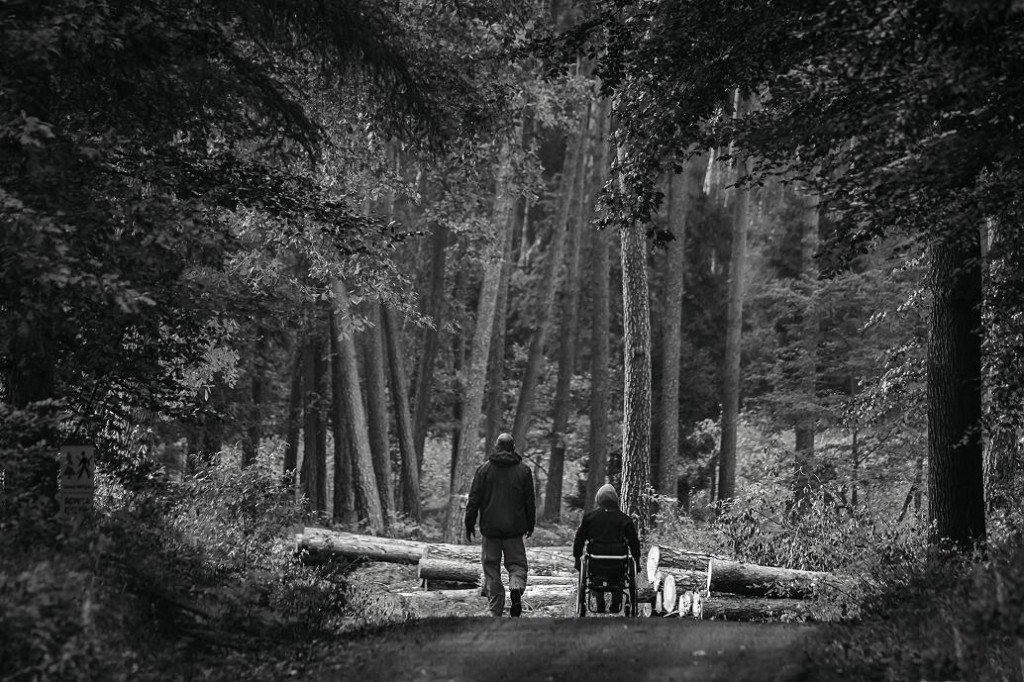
607 569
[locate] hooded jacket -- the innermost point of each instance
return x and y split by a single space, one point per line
503 495
607 529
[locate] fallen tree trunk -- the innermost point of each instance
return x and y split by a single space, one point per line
685 580
753 580
676 559
541 560
535 596
724 607
316 545
454 570
322 544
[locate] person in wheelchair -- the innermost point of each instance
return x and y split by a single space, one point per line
607 531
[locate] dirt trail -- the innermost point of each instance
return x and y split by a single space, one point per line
573 650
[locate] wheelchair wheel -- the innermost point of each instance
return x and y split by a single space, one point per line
581 590
633 609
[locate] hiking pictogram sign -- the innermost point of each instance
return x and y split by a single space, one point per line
77 467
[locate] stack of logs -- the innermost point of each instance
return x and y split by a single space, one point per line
679 583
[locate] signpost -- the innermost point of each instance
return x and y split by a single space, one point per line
77 480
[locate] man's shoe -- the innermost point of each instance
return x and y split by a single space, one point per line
517 603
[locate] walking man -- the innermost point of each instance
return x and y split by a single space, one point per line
503 495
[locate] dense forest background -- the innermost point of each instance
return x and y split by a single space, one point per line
756 263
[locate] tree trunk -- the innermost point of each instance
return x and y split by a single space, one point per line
956 491
410 476
805 426
754 580
570 291
476 376
468 571
293 423
733 334
496 368
377 406
344 507
368 504
719 607
548 287
458 367
675 265
307 474
434 308
636 404
254 425
597 462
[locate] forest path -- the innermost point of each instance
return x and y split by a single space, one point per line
573 650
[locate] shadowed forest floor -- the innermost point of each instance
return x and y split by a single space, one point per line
573 650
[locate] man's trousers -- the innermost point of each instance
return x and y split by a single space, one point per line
491 552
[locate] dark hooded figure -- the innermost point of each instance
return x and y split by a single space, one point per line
607 530
503 495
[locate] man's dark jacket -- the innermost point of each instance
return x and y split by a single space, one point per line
609 530
502 493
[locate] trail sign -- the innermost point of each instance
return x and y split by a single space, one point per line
77 480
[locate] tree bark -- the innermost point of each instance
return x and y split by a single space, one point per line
956 493
368 504
293 423
719 607
344 507
377 406
597 463
476 376
733 334
636 408
494 411
548 287
410 476
805 426
754 580
314 442
570 293
434 308
257 380
675 266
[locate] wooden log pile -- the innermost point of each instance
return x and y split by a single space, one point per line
679 583
732 590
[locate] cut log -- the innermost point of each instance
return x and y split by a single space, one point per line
753 580
453 570
653 558
668 594
671 558
542 560
686 580
316 545
535 596
726 607
685 604
697 606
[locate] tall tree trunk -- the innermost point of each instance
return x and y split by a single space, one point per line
458 366
476 374
377 406
293 422
675 265
733 333
494 399
600 353
636 404
322 384
310 410
956 493
570 297
548 287
434 308
805 426
254 420
410 476
367 496
344 507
